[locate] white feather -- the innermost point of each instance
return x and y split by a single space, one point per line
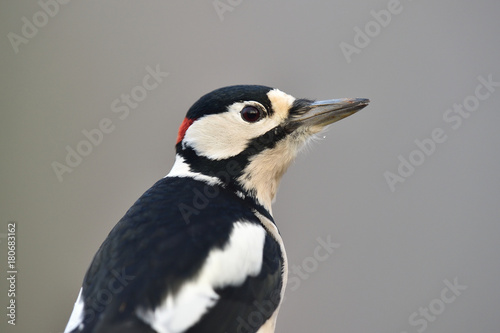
76 317
230 266
181 169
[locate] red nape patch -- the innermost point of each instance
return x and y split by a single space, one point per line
184 127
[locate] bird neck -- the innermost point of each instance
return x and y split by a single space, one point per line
257 189
263 172
256 175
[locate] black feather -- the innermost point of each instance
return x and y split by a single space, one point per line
162 241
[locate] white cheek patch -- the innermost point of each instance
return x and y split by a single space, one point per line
223 135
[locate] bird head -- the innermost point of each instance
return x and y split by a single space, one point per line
245 137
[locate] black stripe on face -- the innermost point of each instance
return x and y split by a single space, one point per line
231 168
218 100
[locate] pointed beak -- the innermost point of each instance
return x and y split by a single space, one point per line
316 115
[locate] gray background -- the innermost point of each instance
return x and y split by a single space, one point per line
396 248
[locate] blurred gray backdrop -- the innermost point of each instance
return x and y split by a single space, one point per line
407 189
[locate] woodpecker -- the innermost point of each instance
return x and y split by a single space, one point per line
200 252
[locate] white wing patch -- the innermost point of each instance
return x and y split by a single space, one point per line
76 317
240 258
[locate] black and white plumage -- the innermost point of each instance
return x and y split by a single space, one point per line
200 251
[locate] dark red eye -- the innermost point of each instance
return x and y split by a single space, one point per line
251 114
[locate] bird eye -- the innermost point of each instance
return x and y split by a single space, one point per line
251 114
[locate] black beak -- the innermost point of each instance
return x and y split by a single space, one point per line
316 115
